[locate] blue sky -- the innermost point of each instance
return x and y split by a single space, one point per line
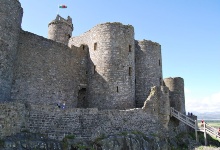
188 31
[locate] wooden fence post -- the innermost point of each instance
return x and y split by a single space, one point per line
196 126
205 137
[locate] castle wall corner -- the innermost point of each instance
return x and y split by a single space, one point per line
10 26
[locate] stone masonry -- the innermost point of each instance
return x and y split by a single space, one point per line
88 123
10 25
111 68
60 30
101 82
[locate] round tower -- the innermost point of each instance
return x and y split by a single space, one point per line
177 98
148 69
111 68
10 26
60 29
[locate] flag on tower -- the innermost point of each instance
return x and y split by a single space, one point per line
62 6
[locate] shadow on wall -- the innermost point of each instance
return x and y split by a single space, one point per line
142 87
92 85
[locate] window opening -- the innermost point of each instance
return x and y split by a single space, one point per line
129 48
117 89
130 71
95 46
69 36
94 69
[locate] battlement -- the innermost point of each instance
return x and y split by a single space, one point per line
116 24
60 20
60 29
147 42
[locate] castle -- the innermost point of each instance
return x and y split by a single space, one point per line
103 73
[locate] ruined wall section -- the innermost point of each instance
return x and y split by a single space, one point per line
148 69
111 69
10 26
46 72
158 104
60 29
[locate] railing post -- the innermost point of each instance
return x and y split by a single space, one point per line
178 114
205 138
171 109
196 131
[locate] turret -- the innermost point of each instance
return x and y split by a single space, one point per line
60 29
177 98
10 26
112 69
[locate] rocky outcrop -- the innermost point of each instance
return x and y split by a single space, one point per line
124 141
131 141
29 141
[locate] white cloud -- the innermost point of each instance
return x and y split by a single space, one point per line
207 104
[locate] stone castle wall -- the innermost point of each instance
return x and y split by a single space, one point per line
111 69
10 26
46 72
12 118
148 69
89 123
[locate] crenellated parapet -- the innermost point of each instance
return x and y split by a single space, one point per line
60 29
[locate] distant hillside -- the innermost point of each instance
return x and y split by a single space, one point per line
208 115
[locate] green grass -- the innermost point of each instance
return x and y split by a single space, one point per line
213 123
211 140
205 147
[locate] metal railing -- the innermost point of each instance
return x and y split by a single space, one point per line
206 128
